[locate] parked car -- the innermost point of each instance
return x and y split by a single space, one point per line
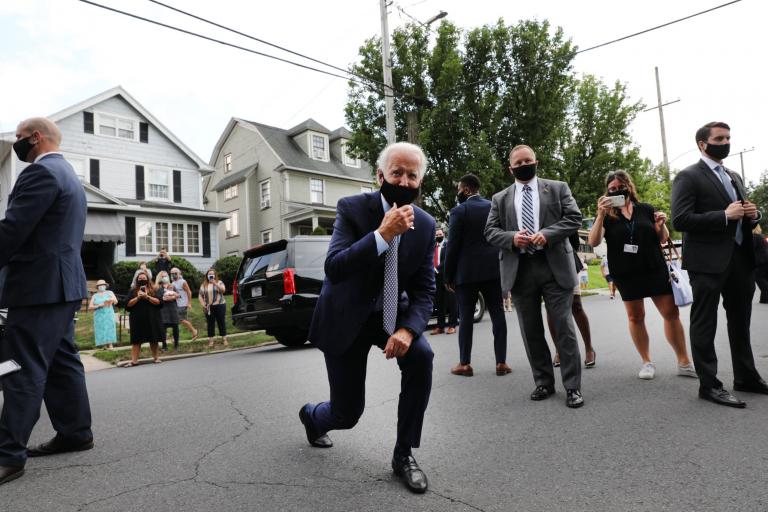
278 284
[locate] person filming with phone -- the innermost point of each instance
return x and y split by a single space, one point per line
214 304
633 232
144 318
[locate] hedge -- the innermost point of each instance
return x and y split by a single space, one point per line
227 268
123 272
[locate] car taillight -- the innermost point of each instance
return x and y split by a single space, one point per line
234 292
289 281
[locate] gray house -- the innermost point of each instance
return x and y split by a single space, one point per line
276 183
143 185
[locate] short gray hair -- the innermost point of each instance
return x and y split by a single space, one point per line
383 160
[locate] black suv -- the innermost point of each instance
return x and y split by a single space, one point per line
277 287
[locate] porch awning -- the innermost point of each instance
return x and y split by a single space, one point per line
103 227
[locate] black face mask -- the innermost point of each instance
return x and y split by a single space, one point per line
439 239
718 151
524 172
461 197
395 194
621 192
142 282
22 147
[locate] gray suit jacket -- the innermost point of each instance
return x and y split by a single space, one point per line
559 218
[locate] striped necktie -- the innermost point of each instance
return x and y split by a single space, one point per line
528 215
389 298
731 191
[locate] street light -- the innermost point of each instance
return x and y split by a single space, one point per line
438 16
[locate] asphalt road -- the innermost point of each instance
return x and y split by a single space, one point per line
221 433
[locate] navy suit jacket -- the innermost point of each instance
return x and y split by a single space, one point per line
354 274
41 236
470 258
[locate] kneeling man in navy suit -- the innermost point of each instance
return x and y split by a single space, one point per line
378 290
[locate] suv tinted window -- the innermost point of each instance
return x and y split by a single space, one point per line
310 257
263 263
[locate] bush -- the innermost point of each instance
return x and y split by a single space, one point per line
594 261
319 231
227 268
193 276
123 273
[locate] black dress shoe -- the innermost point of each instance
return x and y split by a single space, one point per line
407 469
8 473
542 393
721 396
759 386
58 445
574 400
315 439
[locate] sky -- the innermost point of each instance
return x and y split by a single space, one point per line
56 53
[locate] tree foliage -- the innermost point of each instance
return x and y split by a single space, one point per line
474 94
758 194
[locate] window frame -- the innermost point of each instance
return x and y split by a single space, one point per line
269 233
97 123
346 159
231 192
268 203
322 182
155 246
227 162
229 222
147 182
311 148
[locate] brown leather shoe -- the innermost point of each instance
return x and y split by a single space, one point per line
503 369
450 330
436 330
462 369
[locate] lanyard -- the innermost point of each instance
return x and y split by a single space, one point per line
631 229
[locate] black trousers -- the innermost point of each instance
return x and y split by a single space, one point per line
445 301
41 340
346 376
761 280
467 297
737 286
175 330
218 315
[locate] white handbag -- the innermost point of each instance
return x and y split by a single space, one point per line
678 278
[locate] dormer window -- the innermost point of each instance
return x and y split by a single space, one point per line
348 159
227 162
111 125
318 146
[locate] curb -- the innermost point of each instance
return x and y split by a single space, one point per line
147 360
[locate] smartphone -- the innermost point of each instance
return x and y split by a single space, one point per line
617 201
143 289
9 366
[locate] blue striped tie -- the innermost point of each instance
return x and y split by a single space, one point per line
528 215
389 298
731 191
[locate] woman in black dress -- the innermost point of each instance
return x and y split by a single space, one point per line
144 317
633 233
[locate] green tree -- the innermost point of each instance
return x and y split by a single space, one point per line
758 194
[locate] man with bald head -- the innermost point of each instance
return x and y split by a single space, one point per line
378 290
40 240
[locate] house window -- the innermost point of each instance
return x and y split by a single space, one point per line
266 194
319 147
266 236
366 190
178 237
110 125
227 162
158 184
230 192
316 191
348 160
78 164
232 224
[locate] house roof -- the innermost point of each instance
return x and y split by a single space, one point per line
294 158
119 91
309 124
232 179
340 133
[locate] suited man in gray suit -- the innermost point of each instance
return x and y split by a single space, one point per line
530 223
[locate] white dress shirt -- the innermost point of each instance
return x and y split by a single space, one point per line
382 245
712 164
534 184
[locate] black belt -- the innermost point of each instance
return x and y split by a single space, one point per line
531 256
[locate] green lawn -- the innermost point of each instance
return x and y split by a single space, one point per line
596 279
84 325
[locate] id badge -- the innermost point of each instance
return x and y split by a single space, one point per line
630 248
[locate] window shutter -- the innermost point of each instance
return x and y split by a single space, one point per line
206 239
176 186
88 122
139 182
143 132
130 236
95 178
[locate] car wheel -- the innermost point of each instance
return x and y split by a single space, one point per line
479 308
291 339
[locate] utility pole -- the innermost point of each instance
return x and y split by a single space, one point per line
661 106
386 65
741 157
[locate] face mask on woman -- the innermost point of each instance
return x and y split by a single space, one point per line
101 287
165 280
211 277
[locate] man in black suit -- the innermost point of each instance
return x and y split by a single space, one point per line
40 241
710 207
445 300
472 267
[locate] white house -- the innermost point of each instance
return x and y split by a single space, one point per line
143 185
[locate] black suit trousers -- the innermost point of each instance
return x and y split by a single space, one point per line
737 286
761 280
467 297
346 376
445 301
41 340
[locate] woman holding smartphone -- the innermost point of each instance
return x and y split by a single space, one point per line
144 318
214 304
633 232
